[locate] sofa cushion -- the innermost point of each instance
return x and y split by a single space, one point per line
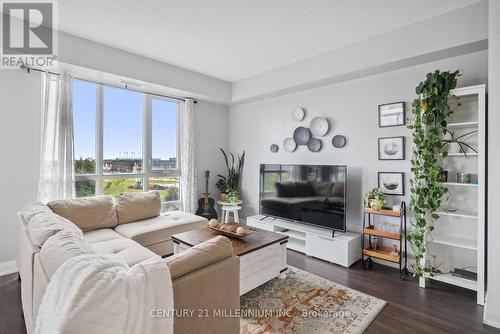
136 206
33 209
60 247
158 229
101 234
123 249
44 223
87 213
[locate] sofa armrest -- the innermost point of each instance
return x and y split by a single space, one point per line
199 256
211 294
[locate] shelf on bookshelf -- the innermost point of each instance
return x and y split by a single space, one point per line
460 184
458 281
455 242
463 125
459 154
372 231
383 253
383 212
460 213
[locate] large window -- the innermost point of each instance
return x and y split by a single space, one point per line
125 141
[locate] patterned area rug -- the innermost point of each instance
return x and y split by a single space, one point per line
300 302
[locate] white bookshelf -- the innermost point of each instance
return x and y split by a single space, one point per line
458 240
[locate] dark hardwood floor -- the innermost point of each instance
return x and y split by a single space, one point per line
439 308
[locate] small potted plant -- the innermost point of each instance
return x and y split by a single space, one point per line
222 187
375 199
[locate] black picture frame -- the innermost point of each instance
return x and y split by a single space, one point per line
402 138
383 188
390 104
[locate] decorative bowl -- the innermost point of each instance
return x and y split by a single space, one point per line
231 234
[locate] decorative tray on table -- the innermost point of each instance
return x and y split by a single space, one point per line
229 229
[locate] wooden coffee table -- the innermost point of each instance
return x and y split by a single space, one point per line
262 253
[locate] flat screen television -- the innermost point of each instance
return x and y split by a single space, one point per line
310 194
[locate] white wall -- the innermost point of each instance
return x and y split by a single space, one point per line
492 307
20 102
351 108
211 133
20 110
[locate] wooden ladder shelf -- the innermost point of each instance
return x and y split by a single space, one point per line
384 252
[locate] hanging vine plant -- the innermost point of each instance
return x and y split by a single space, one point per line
430 114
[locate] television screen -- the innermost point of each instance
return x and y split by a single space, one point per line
311 194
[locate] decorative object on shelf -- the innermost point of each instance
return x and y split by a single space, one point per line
234 170
394 250
464 178
274 148
430 115
392 114
301 135
444 176
338 141
314 145
391 148
222 186
319 126
298 114
374 199
289 144
452 144
389 231
391 183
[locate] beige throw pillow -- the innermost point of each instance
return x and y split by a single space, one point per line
61 247
87 213
131 207
42 223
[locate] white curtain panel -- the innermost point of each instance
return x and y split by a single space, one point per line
189 185
56 159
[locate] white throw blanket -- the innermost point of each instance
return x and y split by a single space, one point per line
94 294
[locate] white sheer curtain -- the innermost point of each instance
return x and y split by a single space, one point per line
189 185
56 159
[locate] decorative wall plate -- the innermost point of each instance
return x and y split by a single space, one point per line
301 135
319 126
289 144
338 141
298 114
274 148
314 145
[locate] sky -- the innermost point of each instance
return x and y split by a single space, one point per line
122 125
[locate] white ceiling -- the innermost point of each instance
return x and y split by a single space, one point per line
236 39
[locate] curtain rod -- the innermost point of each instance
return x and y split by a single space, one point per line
28 69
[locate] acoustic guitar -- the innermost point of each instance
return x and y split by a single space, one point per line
206 205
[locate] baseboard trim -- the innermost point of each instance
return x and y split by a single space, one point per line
491 319
8 267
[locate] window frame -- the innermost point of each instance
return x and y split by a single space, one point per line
147 171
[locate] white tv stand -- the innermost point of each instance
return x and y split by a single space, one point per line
343 248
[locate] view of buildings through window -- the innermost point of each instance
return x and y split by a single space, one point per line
125 141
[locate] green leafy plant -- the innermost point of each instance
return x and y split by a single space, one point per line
234 169
375 198
430 114
221 184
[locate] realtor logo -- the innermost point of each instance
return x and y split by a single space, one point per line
28 34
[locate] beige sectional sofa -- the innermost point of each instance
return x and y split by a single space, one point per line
132 230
